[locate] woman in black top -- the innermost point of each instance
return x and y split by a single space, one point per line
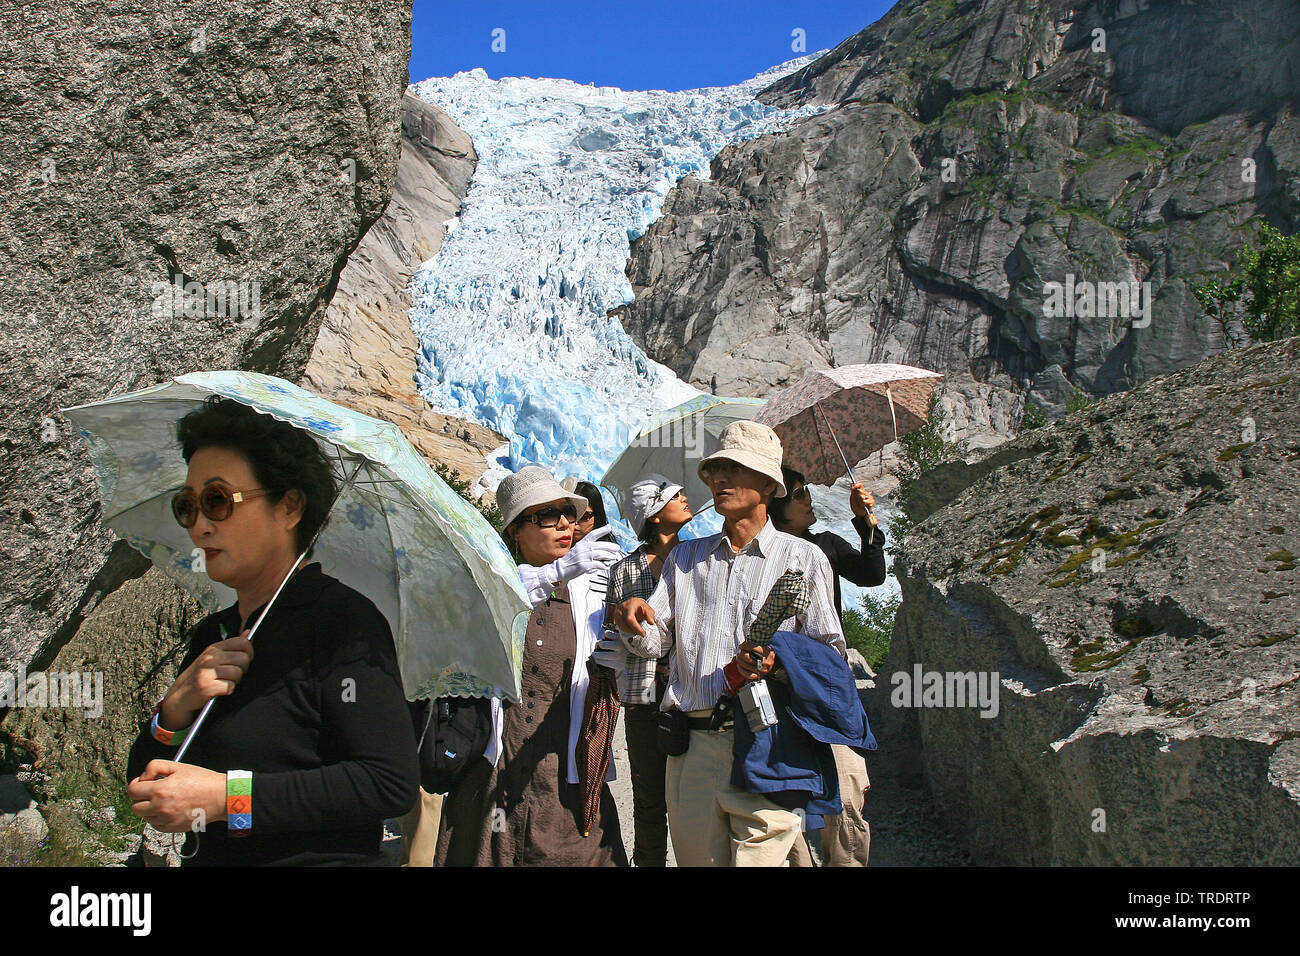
846 837
316 713
793 514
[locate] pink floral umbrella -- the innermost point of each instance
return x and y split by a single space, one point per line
835 416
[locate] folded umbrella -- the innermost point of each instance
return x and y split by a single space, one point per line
599 715
397 533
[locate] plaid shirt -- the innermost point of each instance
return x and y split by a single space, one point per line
631 577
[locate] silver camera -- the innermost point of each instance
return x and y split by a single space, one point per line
756 701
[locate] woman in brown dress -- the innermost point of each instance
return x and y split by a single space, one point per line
522 811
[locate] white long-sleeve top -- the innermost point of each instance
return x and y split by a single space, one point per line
709 595
587 604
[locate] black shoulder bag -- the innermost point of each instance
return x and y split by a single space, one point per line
450 732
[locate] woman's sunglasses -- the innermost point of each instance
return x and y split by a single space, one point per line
550 517
217 503
800 494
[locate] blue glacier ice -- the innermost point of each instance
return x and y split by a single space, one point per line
511 315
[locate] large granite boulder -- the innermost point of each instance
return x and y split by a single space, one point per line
184 189
237 143
1129 575
973 153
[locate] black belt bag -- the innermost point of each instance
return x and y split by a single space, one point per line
674 732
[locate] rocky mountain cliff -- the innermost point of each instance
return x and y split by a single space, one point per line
253 145
1127 575
365 354
976 152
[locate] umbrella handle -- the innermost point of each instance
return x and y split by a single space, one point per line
198 722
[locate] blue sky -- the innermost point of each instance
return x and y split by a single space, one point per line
661 45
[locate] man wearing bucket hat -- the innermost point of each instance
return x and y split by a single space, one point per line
656 509
698 615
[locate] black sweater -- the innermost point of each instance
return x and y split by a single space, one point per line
321 721
865 568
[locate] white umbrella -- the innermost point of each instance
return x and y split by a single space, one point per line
397 533
674 441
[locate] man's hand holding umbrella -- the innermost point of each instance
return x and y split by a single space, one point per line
635 612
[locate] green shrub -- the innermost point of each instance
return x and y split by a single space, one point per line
870 629
1264 289
1033 417
462 487
1080 399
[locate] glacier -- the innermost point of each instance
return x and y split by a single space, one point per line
511 314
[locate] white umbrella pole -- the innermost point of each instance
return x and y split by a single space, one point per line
194 728
198 722
871 514
837 444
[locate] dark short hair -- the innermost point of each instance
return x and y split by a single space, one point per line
281 456
592 494
776 508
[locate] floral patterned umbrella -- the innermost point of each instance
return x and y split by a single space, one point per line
833 417
397 533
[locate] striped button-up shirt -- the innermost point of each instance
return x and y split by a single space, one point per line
709 595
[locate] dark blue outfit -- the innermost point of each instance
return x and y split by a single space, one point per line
819 707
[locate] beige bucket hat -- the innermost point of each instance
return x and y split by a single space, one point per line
531 486
752 445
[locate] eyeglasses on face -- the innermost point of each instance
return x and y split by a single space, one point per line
550 517
587 515
217 502
801 493
721 468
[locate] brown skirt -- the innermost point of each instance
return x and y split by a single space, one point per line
522 812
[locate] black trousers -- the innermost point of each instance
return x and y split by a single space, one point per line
649 805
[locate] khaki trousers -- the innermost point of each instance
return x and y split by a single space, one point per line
420 830
846 840
715 824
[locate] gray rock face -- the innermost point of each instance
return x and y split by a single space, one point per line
365 354
234 143
975 153
1129 572
223 149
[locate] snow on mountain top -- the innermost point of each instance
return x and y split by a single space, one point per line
511 314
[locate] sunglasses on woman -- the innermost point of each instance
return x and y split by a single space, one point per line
217 502
550 517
